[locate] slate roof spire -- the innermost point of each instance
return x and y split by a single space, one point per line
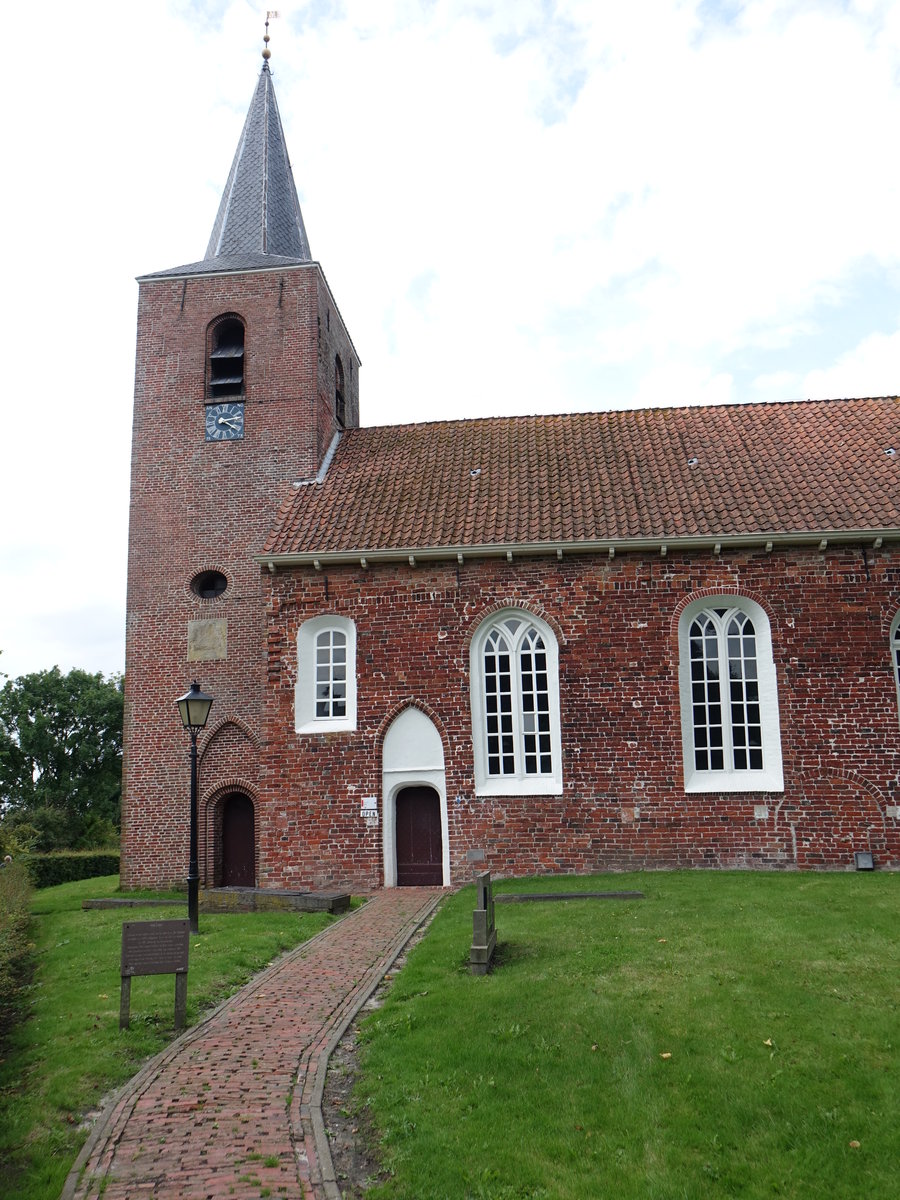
259 215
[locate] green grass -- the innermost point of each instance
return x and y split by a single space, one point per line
731 1035
70 1052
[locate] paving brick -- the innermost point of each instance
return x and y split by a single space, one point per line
243 1088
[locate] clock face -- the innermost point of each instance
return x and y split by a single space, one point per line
224 422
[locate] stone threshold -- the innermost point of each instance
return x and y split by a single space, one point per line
234 899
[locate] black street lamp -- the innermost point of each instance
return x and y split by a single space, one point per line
193 707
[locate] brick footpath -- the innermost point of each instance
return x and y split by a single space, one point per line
233 1107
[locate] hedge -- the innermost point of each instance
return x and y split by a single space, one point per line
15 948
65 866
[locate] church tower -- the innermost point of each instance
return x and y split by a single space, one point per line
245 379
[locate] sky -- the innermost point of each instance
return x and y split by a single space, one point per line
521 206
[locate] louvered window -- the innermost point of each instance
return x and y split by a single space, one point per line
226 360
340 407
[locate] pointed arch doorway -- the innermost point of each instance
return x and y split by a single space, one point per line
419 844
414 803
238 841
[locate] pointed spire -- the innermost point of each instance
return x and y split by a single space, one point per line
259 214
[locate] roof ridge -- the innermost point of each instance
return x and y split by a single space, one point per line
638 410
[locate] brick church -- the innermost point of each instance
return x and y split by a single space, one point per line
659 638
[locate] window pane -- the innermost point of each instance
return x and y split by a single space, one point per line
535 700
498 705
706 692
746 729
516 716
331 674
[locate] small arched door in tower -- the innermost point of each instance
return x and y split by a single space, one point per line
238 841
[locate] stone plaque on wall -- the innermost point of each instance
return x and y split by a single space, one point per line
207 640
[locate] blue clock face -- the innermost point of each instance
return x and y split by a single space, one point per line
224 422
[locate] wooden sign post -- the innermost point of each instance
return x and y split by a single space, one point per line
155 948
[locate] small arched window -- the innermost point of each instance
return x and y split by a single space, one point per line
339 406
326 675
731 738
226 359
895 654
515 706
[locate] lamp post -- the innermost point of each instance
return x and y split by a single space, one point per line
193 708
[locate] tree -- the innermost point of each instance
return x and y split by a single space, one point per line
61 759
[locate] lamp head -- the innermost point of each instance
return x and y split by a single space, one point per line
193 708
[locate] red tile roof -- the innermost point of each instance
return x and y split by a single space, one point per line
656 474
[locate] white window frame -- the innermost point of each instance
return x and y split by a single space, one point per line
518 783
771 777
895 657
305 692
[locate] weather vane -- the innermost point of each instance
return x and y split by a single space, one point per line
267 53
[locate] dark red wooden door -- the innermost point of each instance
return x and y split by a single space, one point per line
419 858
238 842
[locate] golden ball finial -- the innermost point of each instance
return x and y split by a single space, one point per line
267 53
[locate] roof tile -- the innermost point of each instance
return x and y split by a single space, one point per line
810 466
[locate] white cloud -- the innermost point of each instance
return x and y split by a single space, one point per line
870 369
520 207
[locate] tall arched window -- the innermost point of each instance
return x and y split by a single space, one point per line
225 375
731 738
326 675
339 406
514 663
895 654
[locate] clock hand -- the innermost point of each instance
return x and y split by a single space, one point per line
228 421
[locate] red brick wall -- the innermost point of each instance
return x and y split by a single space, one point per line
623 803
198 505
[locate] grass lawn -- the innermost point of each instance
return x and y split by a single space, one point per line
70 1052
732 1034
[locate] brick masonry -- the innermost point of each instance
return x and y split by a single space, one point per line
208 506
198 505
233 1108
623 803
